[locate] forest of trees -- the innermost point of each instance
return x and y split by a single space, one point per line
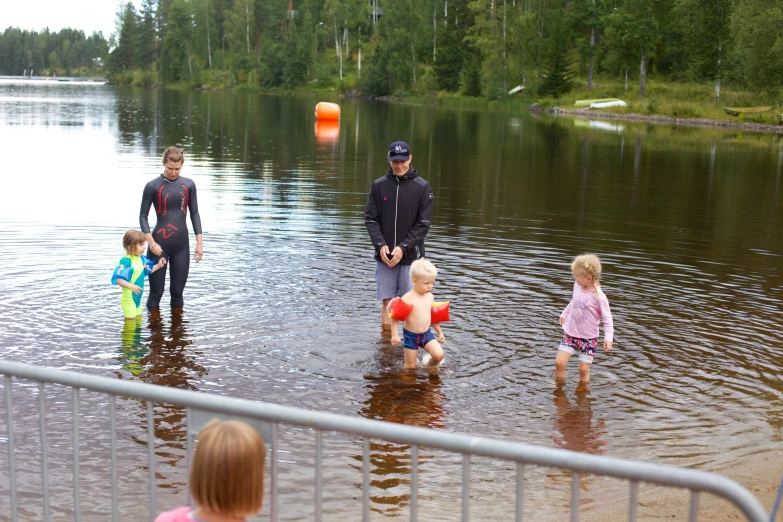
403 47
65 53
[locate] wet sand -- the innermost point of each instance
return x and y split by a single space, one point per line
591 114
760 474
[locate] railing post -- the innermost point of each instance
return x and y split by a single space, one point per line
115 507
273 509
694 511
9 412
634 501
76 511
365 480
151 458
44 462
520 492
318 472
414 482
574 496
465 487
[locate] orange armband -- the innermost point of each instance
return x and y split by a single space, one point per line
440 312
398 309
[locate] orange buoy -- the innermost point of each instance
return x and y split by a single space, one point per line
327 131
327 111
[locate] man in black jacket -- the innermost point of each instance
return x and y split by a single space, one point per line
397 217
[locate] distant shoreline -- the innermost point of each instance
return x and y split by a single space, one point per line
55 79
670 120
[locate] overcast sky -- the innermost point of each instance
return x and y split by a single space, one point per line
35 15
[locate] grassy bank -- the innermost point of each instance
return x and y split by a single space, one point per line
678 100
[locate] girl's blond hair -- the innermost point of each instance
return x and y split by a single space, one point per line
422 267
590 264
132 238
227 476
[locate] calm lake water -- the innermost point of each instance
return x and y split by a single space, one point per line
282 308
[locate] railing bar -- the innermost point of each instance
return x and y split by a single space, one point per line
366 479
9 412
151 454
273 510
318 472
465 486
44 462
634 501
115 511
414 482
574 497
694 511
76 511
520 492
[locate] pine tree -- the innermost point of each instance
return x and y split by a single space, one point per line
557 76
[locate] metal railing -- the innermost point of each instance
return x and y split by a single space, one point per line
266 417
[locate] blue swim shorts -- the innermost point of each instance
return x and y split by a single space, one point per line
413 341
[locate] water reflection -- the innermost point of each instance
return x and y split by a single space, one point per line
167 360
170 362
574 428
327 132
401 396
133 349
691 245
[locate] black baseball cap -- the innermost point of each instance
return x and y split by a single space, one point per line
399 150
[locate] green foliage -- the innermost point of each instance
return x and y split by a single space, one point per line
477 48
375 79
428 83
470 79
557 76
67 52
270 69
756 25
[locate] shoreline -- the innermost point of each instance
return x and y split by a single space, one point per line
759 473
535 108
667 120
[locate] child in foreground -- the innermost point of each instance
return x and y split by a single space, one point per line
130 273
416 326
226 479
580 318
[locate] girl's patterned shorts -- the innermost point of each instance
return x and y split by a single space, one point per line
585 347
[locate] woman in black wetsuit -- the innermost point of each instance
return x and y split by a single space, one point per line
172 196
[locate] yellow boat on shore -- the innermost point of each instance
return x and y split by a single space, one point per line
738 111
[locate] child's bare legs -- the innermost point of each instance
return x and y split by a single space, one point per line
411 356
584 372
560 365
436 353
560 369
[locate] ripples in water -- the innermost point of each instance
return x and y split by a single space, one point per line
282 309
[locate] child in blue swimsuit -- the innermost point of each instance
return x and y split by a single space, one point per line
130 272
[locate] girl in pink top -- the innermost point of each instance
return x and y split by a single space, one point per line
580 319
227 476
